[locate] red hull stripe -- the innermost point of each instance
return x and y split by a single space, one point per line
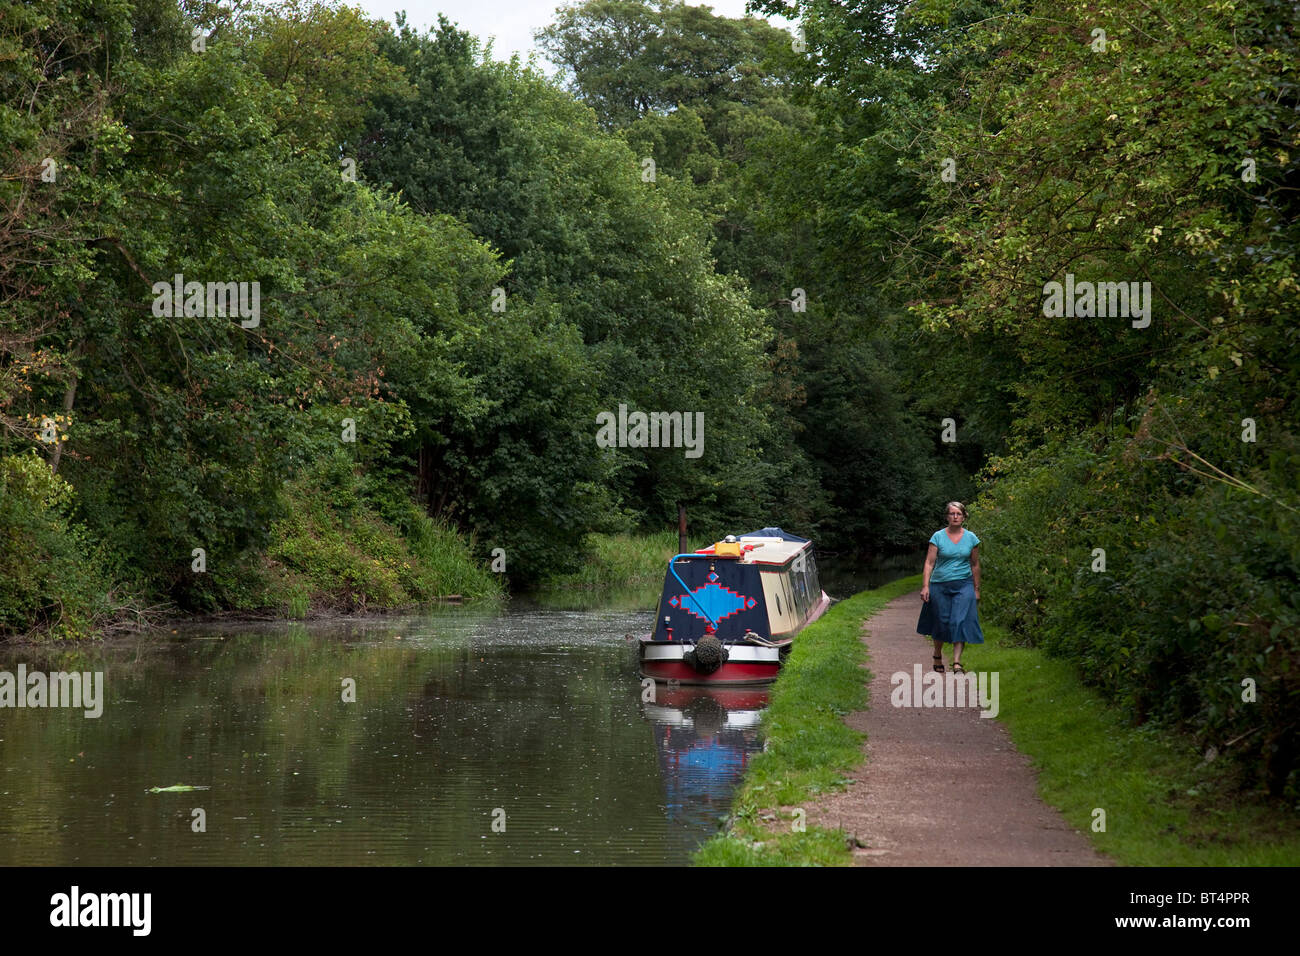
732 672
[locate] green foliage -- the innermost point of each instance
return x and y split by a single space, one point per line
629 59
1121 163
613 561
178 429
523 475
592 248
882 466
842 453
703 96
1144 181
1198 591
813 846
51 581
324 60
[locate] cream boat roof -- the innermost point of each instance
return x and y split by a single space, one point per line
772 550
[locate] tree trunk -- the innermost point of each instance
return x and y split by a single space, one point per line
69 396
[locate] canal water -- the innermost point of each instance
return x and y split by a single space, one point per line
514 735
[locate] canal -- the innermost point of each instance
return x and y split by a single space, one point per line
458 736
509 735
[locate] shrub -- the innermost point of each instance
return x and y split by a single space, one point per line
51 579
1200 595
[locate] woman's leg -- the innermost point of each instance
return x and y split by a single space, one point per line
938 649
963 610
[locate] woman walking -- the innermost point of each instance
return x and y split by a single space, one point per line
950 588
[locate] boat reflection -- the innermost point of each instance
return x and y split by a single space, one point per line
704 738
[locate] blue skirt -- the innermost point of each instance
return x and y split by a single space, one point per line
950 615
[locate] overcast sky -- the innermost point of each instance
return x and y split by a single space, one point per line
511 22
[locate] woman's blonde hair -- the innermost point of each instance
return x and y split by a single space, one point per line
955 504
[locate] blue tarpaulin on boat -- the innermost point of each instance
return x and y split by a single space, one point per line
775 533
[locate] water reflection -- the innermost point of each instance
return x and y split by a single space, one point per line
704 738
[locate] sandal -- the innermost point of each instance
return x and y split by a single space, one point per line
938 663
957 668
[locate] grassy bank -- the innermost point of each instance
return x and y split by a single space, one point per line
1164 804
808 747
334 552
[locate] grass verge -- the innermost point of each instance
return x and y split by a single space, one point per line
1164 804
808 747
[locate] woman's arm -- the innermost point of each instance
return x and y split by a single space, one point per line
930 557
975 569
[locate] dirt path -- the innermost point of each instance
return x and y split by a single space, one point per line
941 786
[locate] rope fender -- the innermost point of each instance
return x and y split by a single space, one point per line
708 655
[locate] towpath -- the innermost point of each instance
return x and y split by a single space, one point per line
941 786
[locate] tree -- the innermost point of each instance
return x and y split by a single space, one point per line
592 246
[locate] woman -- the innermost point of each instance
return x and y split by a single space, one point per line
952 566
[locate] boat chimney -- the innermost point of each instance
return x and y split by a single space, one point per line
681 528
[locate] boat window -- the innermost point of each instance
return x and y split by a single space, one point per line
799 584
778 604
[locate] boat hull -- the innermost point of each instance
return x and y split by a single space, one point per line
730 674
667 665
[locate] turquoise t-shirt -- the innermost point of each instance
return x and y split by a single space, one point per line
953 562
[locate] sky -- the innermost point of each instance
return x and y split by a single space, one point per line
511 22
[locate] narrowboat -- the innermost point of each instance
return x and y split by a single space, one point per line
729 613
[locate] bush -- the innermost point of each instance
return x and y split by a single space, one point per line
51 579
1200 594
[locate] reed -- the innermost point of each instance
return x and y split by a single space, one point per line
619 563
